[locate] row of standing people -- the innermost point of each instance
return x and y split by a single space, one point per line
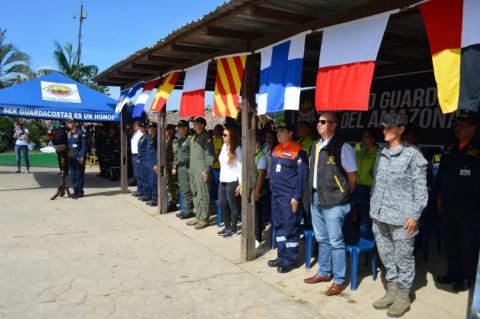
321 178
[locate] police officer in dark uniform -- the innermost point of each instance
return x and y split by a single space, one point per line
77 150
288 175
115 154
152 164
108 149
458 189
144 190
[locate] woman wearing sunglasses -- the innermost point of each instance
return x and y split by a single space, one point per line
399 195
230 159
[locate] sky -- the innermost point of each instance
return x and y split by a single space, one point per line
112 31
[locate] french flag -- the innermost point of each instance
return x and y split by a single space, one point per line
192 102
143 98
347 62
281 75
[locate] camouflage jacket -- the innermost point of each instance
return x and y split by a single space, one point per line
399 188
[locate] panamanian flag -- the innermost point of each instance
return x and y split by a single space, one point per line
281 75
453 29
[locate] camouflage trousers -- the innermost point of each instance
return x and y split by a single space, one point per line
395 248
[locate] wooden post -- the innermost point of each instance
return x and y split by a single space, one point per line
123 152
249 125
161 160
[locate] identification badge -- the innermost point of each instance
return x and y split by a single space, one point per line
74 145
465 172
75 136
278 169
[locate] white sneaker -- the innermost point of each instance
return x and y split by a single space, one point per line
257 244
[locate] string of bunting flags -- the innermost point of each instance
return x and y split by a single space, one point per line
347 60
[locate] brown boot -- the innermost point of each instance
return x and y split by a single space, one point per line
201 224
401 303
192 222
385 302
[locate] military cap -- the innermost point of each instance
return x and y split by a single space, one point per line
471 117
394 119
182 123
200 120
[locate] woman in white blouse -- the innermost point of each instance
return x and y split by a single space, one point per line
230 159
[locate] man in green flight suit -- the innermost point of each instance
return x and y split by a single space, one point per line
172 181
201 160
181 166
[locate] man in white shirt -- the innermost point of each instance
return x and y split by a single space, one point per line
134 148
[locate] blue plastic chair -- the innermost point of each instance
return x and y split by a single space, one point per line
219 213
309 237
363 246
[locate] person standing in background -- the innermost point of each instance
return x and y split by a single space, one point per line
77 150
229 188
172 180
21 146
181 165
137 135
217 141
201 160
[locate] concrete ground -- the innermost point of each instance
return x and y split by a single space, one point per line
109 256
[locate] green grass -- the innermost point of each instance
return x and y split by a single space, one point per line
37 159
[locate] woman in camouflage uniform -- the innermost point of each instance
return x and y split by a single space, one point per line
399 195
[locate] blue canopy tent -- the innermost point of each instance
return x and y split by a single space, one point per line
56 96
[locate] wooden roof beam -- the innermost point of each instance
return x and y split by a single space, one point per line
357 12
132 73
194 49
232 34
405 40
279 15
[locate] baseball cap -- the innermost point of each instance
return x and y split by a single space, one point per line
394 119
471 117
287 126
151 125
200 120
171 127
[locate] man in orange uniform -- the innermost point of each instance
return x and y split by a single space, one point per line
288 174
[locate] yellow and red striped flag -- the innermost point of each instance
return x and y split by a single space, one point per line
167 84
227 85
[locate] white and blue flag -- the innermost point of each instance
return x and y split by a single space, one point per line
281 75
119 105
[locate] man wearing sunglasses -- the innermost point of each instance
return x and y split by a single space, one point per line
332 177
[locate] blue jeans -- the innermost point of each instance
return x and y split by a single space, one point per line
19 149
327 225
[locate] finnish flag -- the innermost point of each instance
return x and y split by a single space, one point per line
281 75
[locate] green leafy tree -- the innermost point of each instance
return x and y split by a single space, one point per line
14 64
66 58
